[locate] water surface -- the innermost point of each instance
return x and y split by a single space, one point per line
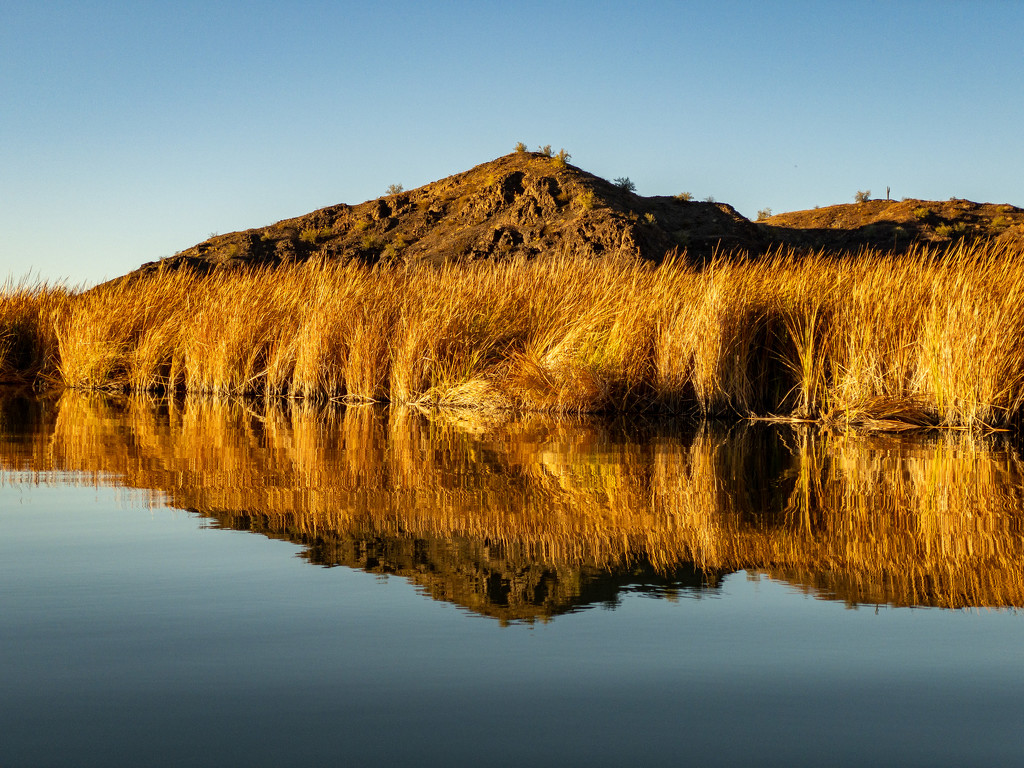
509 591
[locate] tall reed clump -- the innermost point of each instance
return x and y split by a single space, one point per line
341 347
971 351
454 329
126 334
587 334
240 337
712 345
875 334
28 345
926 338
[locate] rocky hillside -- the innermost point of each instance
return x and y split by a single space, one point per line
529 203
523 204
892 225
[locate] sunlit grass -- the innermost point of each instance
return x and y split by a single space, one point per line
926 338
28 313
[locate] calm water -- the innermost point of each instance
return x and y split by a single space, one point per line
451 589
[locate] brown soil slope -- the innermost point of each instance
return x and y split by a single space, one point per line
523 204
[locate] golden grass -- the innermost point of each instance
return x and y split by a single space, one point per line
863 518
28 313
877 340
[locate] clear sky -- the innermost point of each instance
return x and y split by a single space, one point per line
130 131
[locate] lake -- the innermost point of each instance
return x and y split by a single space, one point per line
225 582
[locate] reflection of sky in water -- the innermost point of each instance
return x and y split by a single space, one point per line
132 635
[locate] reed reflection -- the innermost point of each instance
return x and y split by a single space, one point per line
530 516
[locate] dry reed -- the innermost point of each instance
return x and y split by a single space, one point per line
878 340
28 313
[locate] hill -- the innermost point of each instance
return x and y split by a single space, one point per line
523 204
892 225
528 203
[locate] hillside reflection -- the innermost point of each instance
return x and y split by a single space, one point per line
527 517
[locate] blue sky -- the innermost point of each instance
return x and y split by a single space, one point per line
130 131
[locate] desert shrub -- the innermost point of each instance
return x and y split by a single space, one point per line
585 200
545 150
520 147
921 213
709 199
862 196
562 158
650 218
370 242
395 189
951 230
624 182
314 235
684 197
394 249
764 213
